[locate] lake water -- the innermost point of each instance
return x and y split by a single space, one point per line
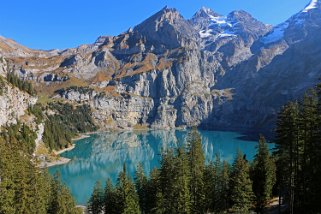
101 156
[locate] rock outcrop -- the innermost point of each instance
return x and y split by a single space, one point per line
13 104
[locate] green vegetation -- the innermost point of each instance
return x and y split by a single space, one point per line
241 193
2 86
299 153
23 187
96 201
66 123
80 89
120 199
21 84
197 166
37 111
20 135
185 184
263 175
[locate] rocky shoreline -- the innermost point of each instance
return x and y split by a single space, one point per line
61 160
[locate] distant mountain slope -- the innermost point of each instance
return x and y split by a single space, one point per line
285 63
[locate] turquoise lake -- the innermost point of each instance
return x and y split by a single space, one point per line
101 156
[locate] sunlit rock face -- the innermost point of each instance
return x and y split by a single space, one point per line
13 103
228 72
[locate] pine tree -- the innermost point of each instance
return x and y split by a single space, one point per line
38 192
152 190
141 188
241 185
224 187
221 193
174 182
165 196
60 199
263 175
7 185
288 144
23 187
312 156
128 197
197 164
110 199
96 201
298 153
210 187
182 183
216 179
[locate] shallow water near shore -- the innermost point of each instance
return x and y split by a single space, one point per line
102 155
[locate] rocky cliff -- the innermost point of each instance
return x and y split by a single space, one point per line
13 102
224 72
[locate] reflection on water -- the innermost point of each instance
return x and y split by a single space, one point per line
102 155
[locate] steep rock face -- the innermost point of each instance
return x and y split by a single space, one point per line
225 40
3 66
13 104
226 72
160 98
285 64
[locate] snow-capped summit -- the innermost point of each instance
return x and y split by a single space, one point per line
314 4
209 24
210 16
296 27
206 10
213 26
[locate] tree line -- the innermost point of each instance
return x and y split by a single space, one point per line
298 136
25 188
184 183
21 84
67 122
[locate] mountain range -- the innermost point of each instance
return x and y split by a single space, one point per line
217 72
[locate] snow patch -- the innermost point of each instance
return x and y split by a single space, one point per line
276 35
220 27
226 34
220 20
205 33
206 10
312 5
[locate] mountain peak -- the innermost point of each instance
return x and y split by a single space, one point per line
167 28
166 13
240 14
168 9
205 12
314 4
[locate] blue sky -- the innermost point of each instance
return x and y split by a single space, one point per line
48 24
